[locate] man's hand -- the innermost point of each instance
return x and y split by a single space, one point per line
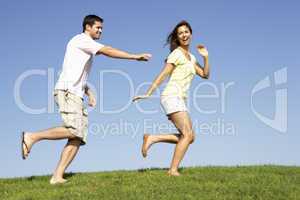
92 101
91 98
136 98
202 50
143 57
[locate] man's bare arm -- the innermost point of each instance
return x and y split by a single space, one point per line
116 53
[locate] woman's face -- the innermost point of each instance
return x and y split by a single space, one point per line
184 35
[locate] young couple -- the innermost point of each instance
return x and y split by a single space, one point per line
181 66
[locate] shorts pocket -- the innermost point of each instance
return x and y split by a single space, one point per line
66 104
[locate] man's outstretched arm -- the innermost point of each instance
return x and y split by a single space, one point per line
116 53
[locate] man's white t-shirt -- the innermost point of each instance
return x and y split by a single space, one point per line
77 64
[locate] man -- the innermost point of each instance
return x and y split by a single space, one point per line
69 92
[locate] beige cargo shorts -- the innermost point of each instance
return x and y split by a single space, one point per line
74 114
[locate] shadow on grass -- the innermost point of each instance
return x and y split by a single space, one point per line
70 174
156 169
67 175
31 178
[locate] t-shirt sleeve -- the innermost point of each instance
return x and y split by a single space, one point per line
173 57
90 46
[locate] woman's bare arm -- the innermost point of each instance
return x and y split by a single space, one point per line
203 71
167 70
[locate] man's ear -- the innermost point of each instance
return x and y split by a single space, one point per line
87 27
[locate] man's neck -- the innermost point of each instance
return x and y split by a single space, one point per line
88 34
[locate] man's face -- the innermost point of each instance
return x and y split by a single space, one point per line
95 30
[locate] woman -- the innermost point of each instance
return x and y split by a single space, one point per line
181 66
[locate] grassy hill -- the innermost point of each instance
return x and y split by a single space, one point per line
207 183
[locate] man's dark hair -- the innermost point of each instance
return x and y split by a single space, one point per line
90 20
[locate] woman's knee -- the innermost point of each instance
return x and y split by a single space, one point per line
189 135
193 138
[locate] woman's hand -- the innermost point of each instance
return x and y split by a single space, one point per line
136 98
202 50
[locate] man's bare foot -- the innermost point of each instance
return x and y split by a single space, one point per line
55 181
146 144
173 173
27 143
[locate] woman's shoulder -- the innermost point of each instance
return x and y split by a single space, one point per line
175 53
174 57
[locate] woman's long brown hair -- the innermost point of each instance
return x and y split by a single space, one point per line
172 39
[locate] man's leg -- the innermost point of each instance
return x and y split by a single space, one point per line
49 134
68 154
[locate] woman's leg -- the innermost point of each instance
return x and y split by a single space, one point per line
152 139
183 123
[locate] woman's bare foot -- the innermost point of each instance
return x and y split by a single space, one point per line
146 144
55 181
27 143
173 173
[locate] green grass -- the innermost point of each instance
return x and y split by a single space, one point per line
251 182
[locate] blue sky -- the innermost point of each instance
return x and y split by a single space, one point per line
247 41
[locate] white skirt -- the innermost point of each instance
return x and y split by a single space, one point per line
172 104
